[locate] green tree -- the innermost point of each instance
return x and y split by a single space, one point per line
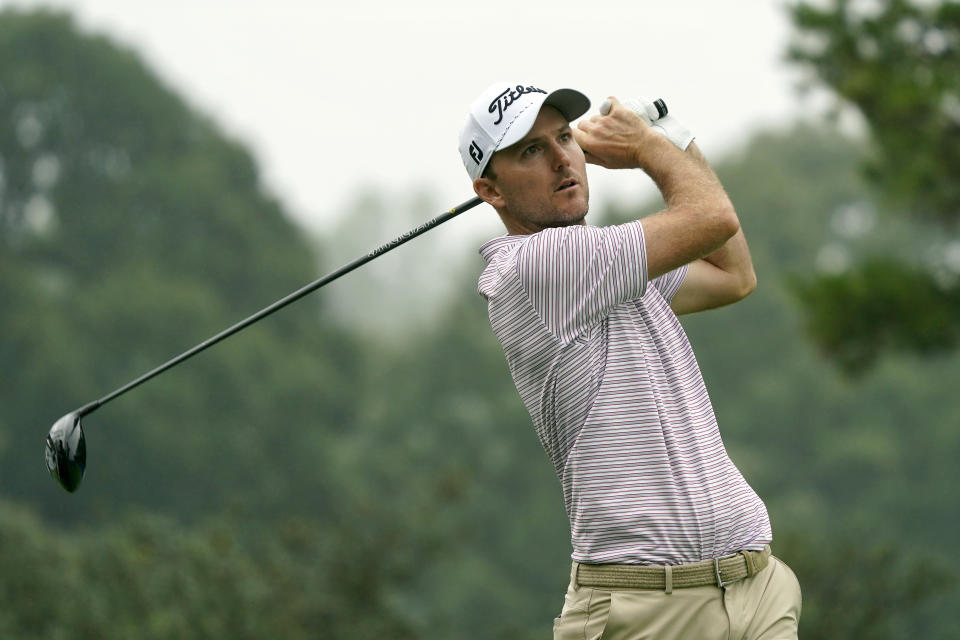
854 587
895 62
146 576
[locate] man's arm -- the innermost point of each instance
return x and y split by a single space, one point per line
699 219
720 278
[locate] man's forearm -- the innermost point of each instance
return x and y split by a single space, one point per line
734 256
698 210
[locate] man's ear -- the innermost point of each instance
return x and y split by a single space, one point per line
488 192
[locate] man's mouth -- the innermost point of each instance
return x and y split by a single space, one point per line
566 184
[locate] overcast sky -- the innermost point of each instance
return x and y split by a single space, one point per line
338 97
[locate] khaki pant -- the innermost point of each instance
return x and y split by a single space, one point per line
764 607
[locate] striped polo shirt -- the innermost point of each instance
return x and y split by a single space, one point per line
616 397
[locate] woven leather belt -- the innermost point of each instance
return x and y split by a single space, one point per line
719 572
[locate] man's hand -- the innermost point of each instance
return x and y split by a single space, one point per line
659 119
619 139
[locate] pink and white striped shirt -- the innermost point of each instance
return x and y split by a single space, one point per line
616 397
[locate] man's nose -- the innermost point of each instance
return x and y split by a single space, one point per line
561 156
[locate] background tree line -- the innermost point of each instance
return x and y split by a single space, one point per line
322 476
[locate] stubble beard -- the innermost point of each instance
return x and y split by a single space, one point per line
576 219
549 218
545 215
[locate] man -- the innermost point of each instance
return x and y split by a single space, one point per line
669 541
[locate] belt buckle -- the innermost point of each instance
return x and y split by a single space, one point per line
716 570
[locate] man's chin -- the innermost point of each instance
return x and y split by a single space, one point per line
560 217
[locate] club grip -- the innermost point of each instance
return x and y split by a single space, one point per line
661 107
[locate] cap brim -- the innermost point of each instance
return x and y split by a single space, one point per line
569 102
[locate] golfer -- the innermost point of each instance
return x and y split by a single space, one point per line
669 540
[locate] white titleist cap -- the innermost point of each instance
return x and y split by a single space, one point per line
505 113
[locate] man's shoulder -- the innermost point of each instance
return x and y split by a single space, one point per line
550 235
492 248
499 254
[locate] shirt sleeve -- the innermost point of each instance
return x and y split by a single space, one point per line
669 283
574 276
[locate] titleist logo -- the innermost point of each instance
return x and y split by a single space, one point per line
503 101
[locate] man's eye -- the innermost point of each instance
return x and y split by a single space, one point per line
565 137
532 149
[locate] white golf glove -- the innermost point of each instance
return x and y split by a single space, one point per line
658 118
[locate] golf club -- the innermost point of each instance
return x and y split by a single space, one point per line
66 447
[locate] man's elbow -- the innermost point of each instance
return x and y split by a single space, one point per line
727 222
746 284
746 277
719 224
750 284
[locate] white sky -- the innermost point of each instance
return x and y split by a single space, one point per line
335 98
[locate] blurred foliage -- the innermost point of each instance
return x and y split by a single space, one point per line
867 590
145 577
320 475
897 306
896 63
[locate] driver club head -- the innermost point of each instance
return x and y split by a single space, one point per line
66 451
